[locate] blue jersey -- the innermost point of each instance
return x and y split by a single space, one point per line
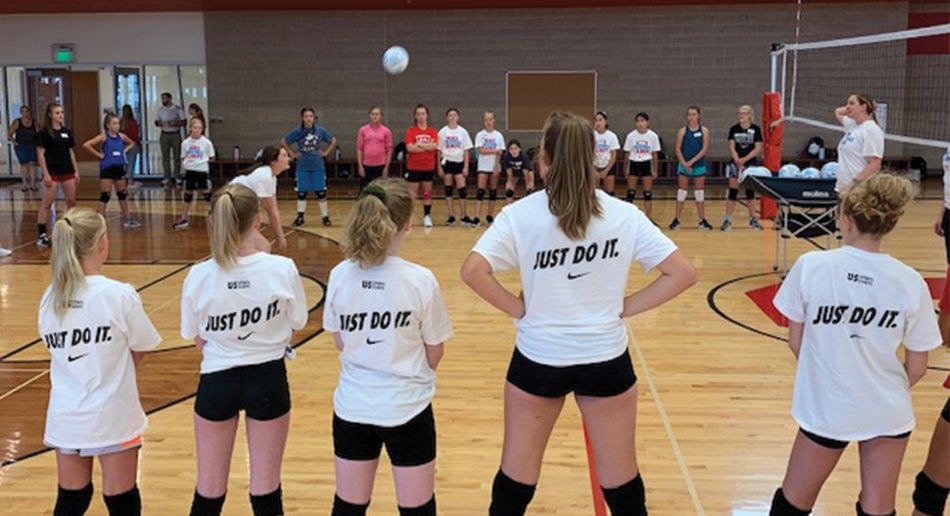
310 142
692 144
113 152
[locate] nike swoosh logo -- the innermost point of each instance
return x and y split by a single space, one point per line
855 336
371 342
75 358
575 276
245 337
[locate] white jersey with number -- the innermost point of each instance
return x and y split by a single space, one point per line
573 289
246 314
385 316
261 180
604 144
860 142
857 308
641 146
94 399
491 140
453 143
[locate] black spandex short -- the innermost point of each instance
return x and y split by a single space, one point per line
115 172
945 413
372 173
946 232
195 180
601 379
641 168
260 390
835 444
610 173
419 176
409 444
453 167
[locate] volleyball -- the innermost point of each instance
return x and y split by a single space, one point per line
829 170
395 60
755 171
811 173
789 171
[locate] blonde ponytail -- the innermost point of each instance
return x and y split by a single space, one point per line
568 142
380 214
877 203
232 213
74 237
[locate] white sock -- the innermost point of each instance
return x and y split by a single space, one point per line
323 208
301 206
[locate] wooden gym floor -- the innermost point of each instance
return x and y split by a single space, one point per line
714 428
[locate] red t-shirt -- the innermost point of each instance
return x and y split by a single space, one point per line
421 161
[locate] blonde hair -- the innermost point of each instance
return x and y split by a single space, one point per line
568 141
75 236
746 107
877 203
381 212
233 208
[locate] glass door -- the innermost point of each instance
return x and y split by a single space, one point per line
128 92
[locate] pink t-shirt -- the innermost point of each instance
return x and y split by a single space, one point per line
375 144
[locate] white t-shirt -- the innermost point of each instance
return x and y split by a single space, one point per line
861 141
246 314
169 116
641 146
195 154
93 399
453 143
573 290
946 179
490 140
261 180
604 144
385 316
857 308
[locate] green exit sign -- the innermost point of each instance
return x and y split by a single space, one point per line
64 53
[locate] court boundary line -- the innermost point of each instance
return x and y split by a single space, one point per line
22 385
667 426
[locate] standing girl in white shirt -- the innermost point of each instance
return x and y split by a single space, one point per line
845 324
196 151
241 309
454 147
606 146
862 146
389 321
642 147
570 243
491 145
97 332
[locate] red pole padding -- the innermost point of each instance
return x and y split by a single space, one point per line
772 134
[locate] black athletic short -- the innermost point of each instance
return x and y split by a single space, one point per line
372 173
601 379
945 413
453 167
610 173
420 176
260 390
195 180
114 172
945 224
641 168
409 444
835 444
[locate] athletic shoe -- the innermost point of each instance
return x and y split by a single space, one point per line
5 252
131 224
299 220
467 221
754 224
427 221
476 222
675 225
326 221
704 225
180 224
42 241
165 182
726 225
450 221
489 219
135 187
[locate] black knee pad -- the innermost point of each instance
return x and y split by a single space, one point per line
122 194
749 194
631 195
321 194
73 502
480 194
270 504
492 195
426 509
509 194
648 195
128 503
449 191
509 497
929 497
733 194
782 507
301 196
188 197
343 508
463 193
105 196
206 196
629 498
201 506
860 511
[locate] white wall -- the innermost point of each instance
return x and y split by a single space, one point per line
131 39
